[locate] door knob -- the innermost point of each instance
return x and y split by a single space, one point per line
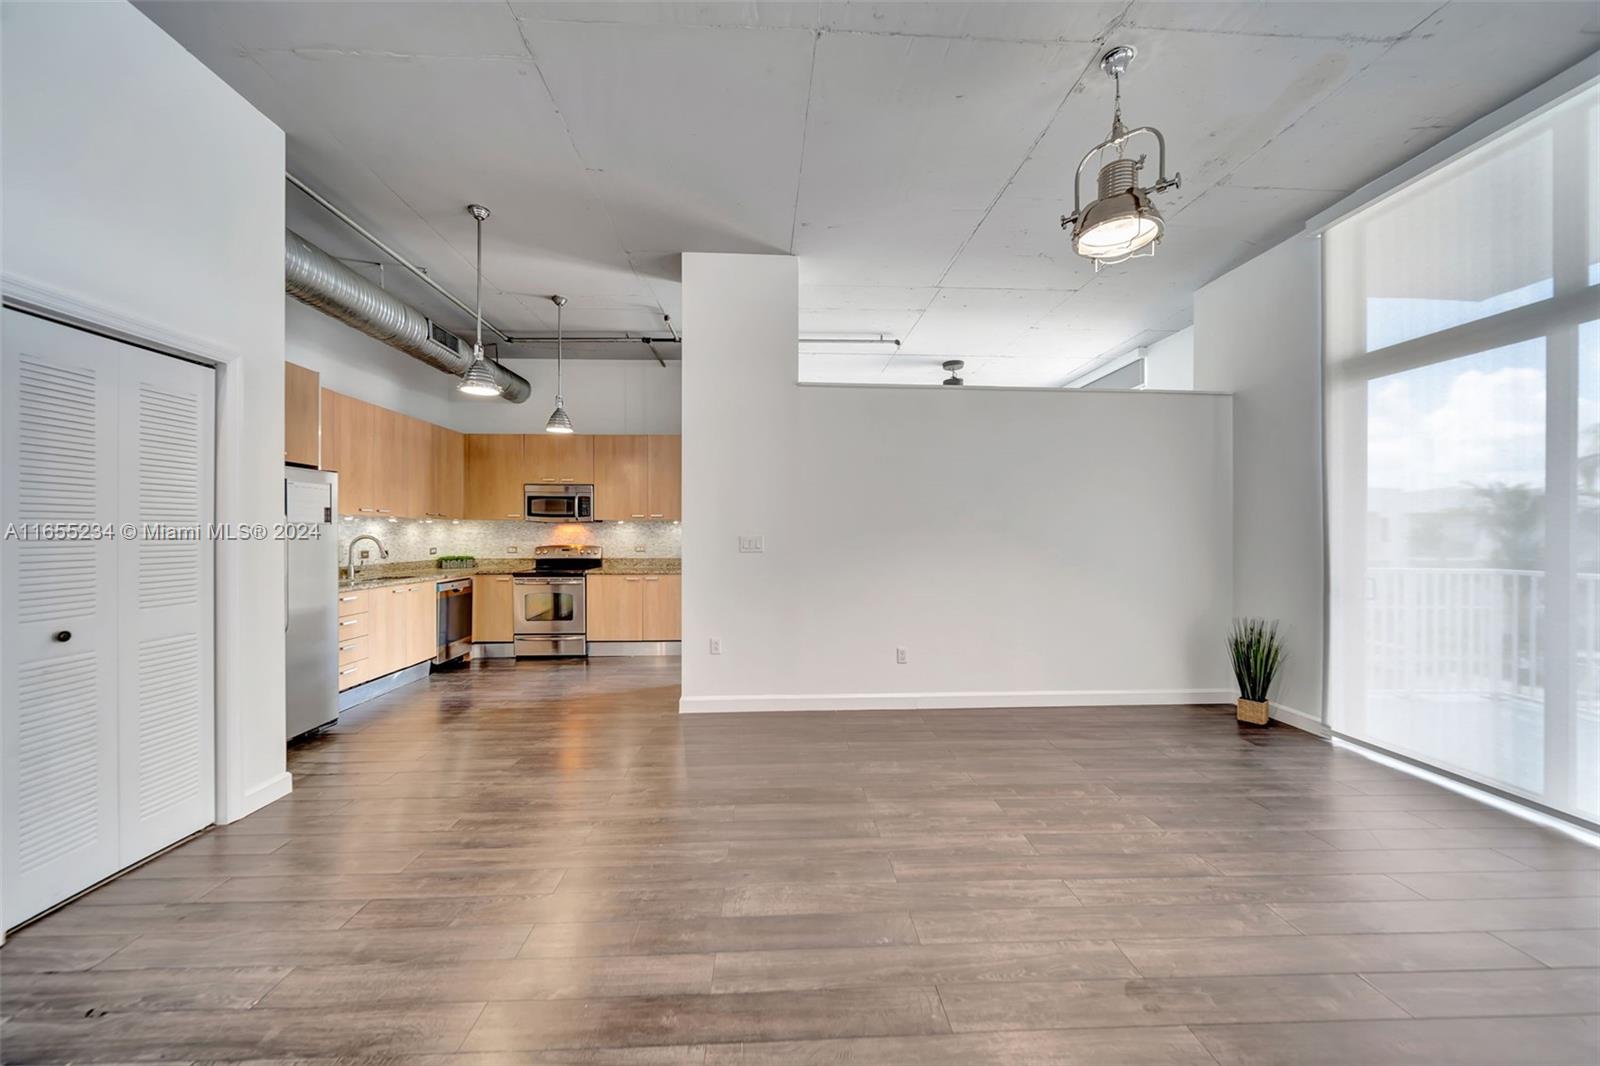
61 636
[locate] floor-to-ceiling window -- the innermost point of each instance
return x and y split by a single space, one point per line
1463 422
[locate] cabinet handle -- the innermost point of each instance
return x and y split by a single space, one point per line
636 516
652 579
630 579
513 516
657 516
348 621
367 510
348 599
61 636
384 510
502 579
348 670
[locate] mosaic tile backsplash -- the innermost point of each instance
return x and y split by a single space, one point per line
410 539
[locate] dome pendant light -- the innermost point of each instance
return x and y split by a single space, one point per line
1122 223
478 379
559 422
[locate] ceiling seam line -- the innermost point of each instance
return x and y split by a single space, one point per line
1335 91
805 133
577 153
1032 147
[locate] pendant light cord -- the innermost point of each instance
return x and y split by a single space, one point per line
478 297
558 355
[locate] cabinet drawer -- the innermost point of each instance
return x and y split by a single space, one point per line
352 602
355 625
355 673
352 650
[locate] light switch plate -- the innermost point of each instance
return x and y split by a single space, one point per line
751 544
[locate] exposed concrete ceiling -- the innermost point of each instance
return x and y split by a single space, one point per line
916 157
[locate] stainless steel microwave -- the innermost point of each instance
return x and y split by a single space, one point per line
558 503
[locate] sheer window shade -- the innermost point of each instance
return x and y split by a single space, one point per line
1463 452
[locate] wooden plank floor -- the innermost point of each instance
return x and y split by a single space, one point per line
545 863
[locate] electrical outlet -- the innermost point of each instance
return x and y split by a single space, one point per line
433 551
900 656
511 550
639 548
365 554
716 646
751 544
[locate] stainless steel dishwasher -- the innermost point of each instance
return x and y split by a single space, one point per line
455 620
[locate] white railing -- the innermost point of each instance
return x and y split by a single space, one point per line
1481 631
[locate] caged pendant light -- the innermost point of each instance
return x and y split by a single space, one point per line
560 421
477 379
1121 223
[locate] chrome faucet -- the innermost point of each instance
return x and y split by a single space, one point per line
350 560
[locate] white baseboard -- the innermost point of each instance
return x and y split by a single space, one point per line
927 701
272 789
1299 720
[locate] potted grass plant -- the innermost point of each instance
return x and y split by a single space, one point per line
1256 653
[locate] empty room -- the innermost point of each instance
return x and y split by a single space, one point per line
743 533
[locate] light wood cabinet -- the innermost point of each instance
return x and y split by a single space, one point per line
621 478
402 620
662 607
350 447
446 471
302 416
635 607
493 600
666 476
392 465
494 477
551 458
616 606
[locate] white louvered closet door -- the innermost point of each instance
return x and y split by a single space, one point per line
100 691
164 603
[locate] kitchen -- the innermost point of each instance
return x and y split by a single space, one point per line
441 549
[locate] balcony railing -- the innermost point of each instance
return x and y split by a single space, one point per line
1477 631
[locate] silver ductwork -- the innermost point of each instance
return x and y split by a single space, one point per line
314 277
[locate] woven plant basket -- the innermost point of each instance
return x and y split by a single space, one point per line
1254 712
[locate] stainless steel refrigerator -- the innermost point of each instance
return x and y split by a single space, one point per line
311 599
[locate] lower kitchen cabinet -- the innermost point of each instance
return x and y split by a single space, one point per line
635 607
493 600
662 609
386 629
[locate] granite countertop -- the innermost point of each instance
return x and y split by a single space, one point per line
383 575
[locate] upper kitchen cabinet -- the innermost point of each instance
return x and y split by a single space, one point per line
666 477
551 458
302 416
621 478
390 464
447 471
495 475
354 449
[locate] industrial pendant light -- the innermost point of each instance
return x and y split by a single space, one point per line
1122 222
559 420
478 379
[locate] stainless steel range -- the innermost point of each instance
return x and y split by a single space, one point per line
551 609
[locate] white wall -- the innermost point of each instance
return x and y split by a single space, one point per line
1257 334
1169 362
144 195
1026 547
602 396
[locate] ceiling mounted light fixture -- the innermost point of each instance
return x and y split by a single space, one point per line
1121 223
478 379
560 421
953 367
